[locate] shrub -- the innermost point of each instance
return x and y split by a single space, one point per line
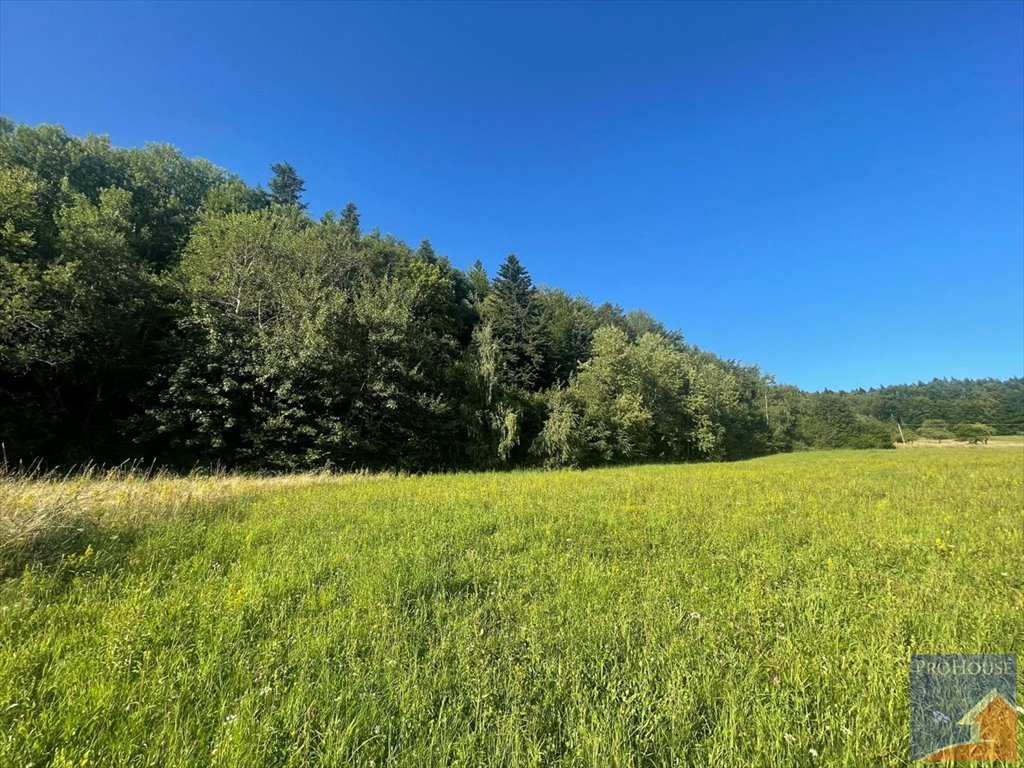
973 433
934 429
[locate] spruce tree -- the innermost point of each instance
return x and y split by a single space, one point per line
514 312
481 284
513 283
286 188
350 220
426 252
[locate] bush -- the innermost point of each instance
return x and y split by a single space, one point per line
872 433
935 429
973 433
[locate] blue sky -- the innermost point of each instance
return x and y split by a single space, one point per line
832 191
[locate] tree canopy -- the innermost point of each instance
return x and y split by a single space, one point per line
154 305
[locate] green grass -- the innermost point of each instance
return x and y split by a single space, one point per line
746 614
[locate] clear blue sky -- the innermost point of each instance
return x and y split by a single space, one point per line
834 192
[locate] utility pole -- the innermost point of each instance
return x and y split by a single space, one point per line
899 427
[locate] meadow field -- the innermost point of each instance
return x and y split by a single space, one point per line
759 613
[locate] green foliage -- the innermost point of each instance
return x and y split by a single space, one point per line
19 212
513 312
973 433
478 280
233 196
286 188
501 417
934 429
426 252
305 356
168 192
1000 404
567 326
830 422
350 222
78 330
646 400
873 433
155 305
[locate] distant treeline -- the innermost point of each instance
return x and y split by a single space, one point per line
999 404
156 306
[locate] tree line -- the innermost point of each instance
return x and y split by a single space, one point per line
154 305
997 404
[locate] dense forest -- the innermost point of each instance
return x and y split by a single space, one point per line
999 404
156 306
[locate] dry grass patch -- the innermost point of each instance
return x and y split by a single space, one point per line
41 515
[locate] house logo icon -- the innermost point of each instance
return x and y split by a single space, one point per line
963 708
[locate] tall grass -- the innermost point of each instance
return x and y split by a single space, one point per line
43 514
757 614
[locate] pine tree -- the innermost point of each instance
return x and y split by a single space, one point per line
286 188
514 312
350 220
426 252
481 284
513 283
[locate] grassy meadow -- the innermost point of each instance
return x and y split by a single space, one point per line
758 613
